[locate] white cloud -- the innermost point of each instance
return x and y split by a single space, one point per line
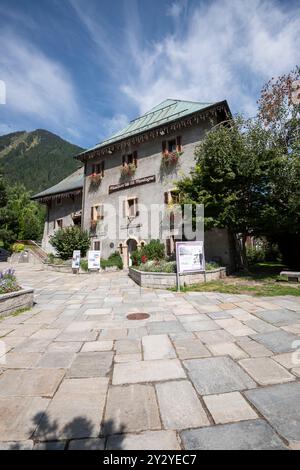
229 49
35 84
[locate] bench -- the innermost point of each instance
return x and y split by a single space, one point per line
293 276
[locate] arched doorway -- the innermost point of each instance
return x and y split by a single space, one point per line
132 246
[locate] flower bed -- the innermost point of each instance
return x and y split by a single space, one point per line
12 296
165 280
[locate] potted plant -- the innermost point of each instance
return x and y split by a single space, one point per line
95 178
128 169
171 158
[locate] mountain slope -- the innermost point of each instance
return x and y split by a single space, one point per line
38 159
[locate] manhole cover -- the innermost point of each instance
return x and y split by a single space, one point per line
138 316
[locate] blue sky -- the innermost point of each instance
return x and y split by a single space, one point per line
83 69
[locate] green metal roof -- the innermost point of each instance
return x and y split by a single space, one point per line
71 183
164 113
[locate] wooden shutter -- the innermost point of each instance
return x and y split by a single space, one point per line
123 159
92 213
178 143
164 146
135 154
168 246
101 212
136 207
124 208
166 197
102 168
93 168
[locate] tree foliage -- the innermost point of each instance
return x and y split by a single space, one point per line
20 218
68 239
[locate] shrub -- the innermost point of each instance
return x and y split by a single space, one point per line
114 259
255 255
18 247
136 257
68 239
84 264
50 258
8 281
211 265
158 266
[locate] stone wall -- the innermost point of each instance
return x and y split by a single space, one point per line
13 301
165 280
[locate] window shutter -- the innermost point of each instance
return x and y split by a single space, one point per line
135 158
164 146
101 211
168 246
102 167
92 213
136 203
93 169
124 208
123 159
166 197
178 143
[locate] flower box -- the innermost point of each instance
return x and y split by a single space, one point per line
128 169
171 158
95 178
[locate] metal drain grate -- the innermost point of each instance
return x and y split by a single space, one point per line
138 316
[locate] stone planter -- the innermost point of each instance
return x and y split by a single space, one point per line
166 280
13 301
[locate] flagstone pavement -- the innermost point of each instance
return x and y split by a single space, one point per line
204 371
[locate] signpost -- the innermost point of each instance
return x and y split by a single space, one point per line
76 261
94 260
189 258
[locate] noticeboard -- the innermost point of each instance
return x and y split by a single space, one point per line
190 257
94 259
76 259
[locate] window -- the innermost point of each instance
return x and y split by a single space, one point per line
59 223
130 158
173 145
96 245
97 212
130 207
98 168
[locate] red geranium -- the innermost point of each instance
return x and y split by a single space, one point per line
144 259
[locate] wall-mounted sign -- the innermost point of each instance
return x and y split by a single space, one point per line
131 184
190 256
76 259
94 259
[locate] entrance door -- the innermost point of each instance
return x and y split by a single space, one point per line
132 246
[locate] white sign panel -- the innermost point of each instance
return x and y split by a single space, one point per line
190 256
94 259
76 259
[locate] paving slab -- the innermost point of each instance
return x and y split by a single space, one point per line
277 341
247 435
20 416
75 411
30 382
59 360
16 445
51 445
294 328
216 375
280 317
91 364
227 349
279 404
190 348
180 406
127 357
46 333
113 334
260 326
235 327
128 346
147 371
97 311
253 348
203 325
130 409
229 408
157 347
265 371
97 346
87 444
288 360
19 360
68 347
213 337
33 345
164 327
149 440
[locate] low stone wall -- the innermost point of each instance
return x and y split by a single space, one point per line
13 301
60 268
165 280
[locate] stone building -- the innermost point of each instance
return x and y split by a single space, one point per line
136 167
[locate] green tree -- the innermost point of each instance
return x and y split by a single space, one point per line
244 180
68 239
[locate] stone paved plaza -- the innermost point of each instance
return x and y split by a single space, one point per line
204 371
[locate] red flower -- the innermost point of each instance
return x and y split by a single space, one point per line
144 259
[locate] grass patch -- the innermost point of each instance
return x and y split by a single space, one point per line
226 287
